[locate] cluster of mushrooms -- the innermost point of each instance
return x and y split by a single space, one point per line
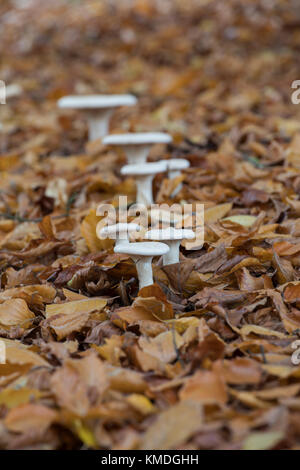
136 146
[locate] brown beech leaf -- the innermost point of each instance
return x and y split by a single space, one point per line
178 273
292 293
28 275
79 384
206 387
20 354
76 307
15 312
240 370
153 300
173 427
211 261
130 315
111 350
63 325
290 319
27 417
248 282
126 380
164 346
33 295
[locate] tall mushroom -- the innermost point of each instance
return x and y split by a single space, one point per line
142 254
119 232
175 165
137 145
144 174
99 109
173 238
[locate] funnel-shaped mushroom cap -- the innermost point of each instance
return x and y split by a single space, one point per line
138 138
96 101
144 169
169 234
143 249
112 231
177 164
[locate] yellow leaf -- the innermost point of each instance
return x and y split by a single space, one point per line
141 403
217 212
84 433
263 440
181 324
77 306
70 295
88 231
245 220
11 397
111 351
259 330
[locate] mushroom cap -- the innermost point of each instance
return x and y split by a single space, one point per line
116 229
169 234
137 138
96 101
165 216
143 249
177 164
144 169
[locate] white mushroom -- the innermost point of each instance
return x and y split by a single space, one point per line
142 254
144 175
165 217
99 109
137 145
119 232
173 238
175 165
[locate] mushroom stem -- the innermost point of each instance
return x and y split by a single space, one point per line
172 174
136 154
144 270
144 190
121 241
172 256
98 122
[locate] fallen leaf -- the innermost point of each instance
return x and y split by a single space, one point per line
173 427
76 307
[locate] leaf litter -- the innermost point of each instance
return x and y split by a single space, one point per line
201 359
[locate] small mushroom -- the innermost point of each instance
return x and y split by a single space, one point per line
144 174
142 254
119 232
137 145
175 165
99 109
173 238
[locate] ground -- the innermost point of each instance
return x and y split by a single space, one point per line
207 357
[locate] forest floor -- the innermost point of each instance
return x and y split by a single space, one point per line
206 358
